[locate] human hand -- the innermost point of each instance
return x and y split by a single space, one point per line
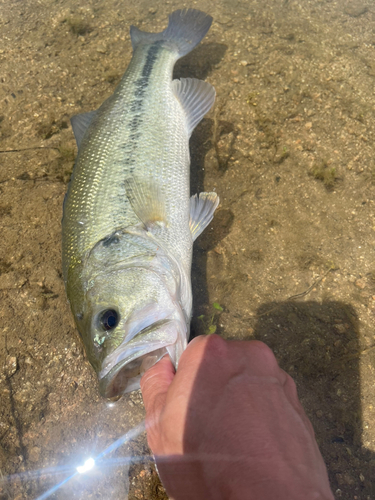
229 425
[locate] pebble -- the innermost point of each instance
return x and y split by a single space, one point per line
347 478
102 49
10 366
34 454
340 328
356 10
360 284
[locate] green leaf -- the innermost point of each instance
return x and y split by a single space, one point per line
217 306
212 329
201 317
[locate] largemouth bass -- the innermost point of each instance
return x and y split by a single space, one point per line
129 222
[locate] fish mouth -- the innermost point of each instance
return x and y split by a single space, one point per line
122 369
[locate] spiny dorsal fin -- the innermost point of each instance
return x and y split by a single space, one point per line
202 210
146 200
196 98
80 123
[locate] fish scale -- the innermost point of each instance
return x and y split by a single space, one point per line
128 223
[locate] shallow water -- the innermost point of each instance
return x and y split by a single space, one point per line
289 256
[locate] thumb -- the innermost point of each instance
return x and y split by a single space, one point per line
154 386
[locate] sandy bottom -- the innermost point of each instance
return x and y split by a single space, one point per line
289 256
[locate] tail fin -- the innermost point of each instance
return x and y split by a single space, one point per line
186 28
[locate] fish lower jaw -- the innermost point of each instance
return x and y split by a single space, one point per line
126 375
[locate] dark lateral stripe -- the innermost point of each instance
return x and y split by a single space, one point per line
136 106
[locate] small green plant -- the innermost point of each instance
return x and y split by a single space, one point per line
65 162
251 98
78 25
112 76
50 126
209 322
324 173
280 157
67 152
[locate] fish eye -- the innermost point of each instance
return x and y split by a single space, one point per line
108 319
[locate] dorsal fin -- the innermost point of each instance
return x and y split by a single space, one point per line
80 123
196 97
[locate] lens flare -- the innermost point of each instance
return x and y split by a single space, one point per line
89 464
99 459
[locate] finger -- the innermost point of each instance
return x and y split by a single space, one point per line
154 386
259 359
205 353
203 347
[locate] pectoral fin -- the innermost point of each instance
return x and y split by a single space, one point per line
196 97
202 210
146 200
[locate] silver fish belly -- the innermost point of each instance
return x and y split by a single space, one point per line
129 222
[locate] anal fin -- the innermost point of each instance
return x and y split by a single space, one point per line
202 210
